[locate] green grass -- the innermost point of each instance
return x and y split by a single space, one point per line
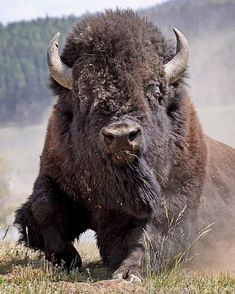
185 281
2 280
23 271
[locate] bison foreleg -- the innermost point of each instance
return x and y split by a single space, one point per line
50 221
59 250
122 249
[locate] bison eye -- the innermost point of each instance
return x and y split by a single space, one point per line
156 91
153 90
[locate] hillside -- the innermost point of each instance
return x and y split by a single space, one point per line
209 26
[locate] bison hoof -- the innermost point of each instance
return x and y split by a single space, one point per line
128 274
68 259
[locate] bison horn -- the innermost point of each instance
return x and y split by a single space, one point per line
58 70
176 67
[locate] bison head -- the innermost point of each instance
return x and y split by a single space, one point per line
122 85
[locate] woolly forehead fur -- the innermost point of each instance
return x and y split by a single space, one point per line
117 46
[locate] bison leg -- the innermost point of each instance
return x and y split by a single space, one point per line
131 252
60 251
50 221
121 247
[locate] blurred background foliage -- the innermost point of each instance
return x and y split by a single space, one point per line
23 71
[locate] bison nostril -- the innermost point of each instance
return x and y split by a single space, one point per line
132 135
108 138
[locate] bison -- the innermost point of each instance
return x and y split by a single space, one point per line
125 154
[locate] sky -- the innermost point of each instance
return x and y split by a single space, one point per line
16 10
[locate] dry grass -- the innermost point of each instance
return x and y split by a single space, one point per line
24 271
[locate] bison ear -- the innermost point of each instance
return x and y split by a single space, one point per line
175 68
60 72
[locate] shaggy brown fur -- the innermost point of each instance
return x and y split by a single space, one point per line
115 56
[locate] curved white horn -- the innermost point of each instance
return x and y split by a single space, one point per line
176 67
58 70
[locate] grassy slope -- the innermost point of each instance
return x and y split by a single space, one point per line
23 271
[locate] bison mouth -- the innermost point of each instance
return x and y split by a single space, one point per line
124 157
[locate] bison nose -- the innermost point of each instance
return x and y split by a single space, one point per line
118 137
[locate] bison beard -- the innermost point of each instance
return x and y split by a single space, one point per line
124 154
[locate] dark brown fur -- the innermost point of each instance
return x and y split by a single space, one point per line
114 57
